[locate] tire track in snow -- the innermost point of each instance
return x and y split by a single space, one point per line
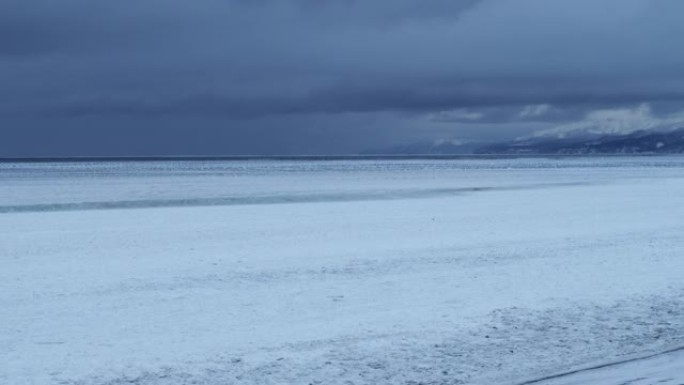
601 366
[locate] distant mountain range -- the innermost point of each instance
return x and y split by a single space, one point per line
640 142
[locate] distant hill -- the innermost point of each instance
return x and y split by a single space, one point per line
640 142
439 147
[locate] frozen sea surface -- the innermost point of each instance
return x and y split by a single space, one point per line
338 272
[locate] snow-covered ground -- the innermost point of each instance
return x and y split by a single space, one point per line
340 272
665 369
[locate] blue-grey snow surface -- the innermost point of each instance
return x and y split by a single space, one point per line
447 272
661 369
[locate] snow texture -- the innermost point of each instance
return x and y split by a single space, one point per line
340 272
667 368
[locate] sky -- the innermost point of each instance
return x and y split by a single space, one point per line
289 77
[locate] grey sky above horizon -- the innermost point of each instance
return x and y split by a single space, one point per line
172 77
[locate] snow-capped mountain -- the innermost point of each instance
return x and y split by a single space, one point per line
611 122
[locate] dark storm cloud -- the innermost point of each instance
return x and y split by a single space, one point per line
36 26
498 101
237 64
33 27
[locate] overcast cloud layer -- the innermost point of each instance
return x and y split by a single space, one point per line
147 77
